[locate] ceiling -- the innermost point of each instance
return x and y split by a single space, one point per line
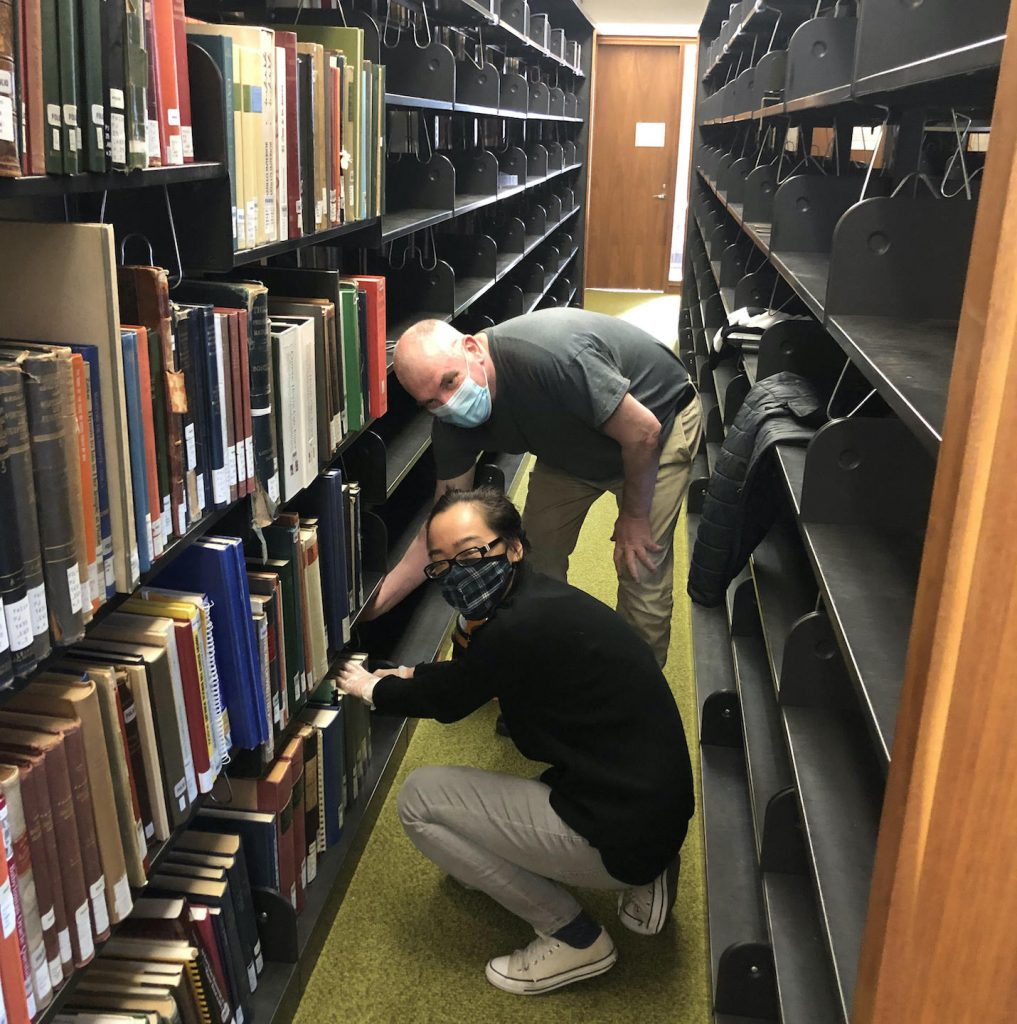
644 12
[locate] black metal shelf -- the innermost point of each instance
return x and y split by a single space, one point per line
263 252
405 450
467 202
840 802
393 99
470 289
40 185
405 222
907 361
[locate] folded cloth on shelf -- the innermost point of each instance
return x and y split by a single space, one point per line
742 496
745 326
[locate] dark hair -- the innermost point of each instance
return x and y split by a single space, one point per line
498 511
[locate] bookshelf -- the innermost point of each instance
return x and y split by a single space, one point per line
799 672
503 226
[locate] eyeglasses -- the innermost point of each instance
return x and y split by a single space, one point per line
435 570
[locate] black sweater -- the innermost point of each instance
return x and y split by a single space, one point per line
582 692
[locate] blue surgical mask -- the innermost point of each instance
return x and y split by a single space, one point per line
469 405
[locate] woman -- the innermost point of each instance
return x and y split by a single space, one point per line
580 691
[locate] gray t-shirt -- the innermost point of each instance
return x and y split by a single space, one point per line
560 374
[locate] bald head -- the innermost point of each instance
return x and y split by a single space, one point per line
427 346
430 361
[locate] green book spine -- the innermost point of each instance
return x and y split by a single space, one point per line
93 101
136 79
68 30
51 88
351 357
379 136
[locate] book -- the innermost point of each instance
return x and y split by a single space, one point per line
69 731
72 694
183 82
293 752
171 150
48 431
12 819
136 439
144 300
272 793
332 797
215 564
372 292
16 744
68 33
93 99
135 84
10 115
32 88
251 298
19 1000
54 133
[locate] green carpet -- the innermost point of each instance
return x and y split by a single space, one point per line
409 945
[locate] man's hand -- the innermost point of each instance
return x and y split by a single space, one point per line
633 545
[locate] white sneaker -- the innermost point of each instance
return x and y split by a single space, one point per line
645 909
547 963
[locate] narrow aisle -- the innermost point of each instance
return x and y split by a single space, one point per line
409 945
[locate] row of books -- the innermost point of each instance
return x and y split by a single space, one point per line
304 124
105 755
93 86
233 393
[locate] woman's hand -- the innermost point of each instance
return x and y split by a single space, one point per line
355 680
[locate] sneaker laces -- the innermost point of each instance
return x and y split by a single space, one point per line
637 902
538 950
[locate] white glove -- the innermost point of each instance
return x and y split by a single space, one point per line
355 680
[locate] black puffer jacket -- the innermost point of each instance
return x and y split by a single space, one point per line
742 497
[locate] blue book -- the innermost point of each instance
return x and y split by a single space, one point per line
136 443
330 723
326 494
91 356
214 566
258 837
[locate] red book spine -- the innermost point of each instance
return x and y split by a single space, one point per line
170 141
204 938
294 753
15 970
288 41
194 705
183 82
148 425
377 368
35 111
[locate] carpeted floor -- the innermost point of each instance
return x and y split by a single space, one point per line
410 946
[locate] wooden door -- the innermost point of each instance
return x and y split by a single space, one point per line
634 149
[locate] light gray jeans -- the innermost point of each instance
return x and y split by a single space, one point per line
498 833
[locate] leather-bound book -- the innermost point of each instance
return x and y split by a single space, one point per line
42 981
16 609
26 743
69 30
135 83
31 87
69 730
94 98
46 861
114 83
12 974
144 299
45 402
70 693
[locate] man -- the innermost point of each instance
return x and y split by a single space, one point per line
604 407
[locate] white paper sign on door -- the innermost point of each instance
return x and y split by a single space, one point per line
650 134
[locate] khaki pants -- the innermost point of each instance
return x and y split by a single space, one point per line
556 506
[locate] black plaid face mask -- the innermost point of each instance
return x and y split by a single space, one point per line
475 590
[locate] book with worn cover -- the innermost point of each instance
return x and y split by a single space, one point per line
114 84
69 730
10 115
135 83
372 297
293 752
69 32
19 999
16 743
32 89
42 982
44 400
70 693
144 300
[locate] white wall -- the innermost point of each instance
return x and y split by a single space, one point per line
645 17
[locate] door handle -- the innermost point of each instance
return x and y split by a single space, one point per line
660 195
